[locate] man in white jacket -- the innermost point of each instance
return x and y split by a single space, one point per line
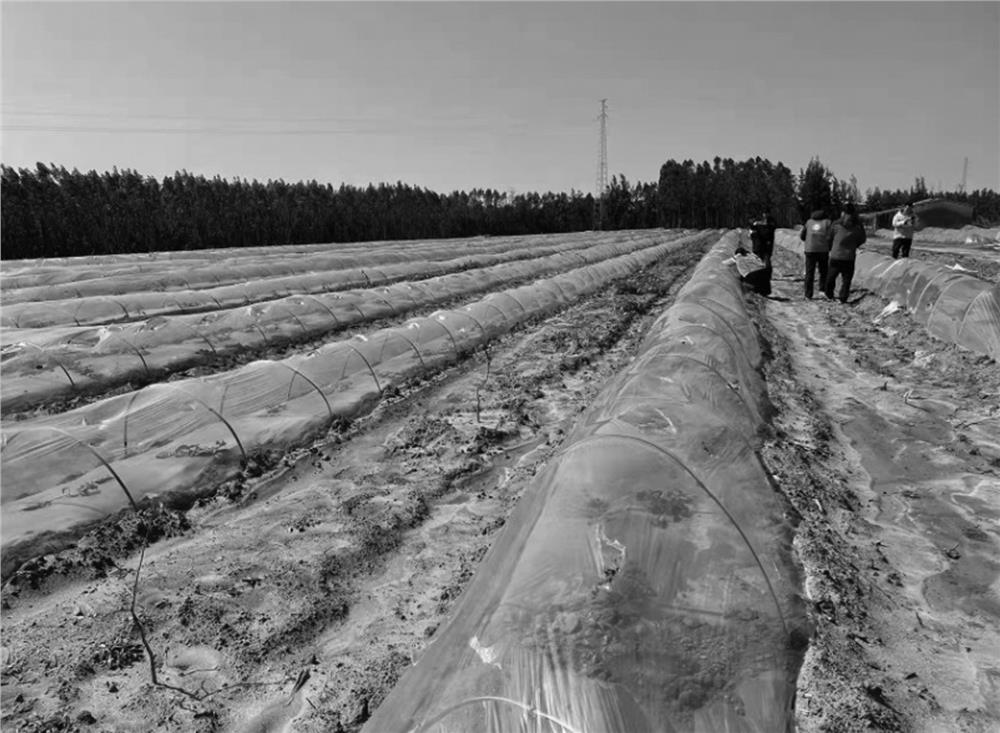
903 224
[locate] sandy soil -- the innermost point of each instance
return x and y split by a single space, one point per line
292 600
887 445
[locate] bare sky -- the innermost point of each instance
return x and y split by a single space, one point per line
502 95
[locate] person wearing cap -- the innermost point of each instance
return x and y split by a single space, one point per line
817 235
903 224
848 235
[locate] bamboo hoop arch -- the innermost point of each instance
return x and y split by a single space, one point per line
58 363
407 340
669 454
313 384
91 449
528 709
343 372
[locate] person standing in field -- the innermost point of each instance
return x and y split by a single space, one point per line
848 235
762 245
752 269
762 237
903 224
817 234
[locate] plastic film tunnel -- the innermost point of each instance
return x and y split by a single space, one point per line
643 582
216 271
956 308
183 437
152 299
65 360
56 270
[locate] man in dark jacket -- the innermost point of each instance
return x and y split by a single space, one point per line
848 235
753 271
762 237
762 245
817 234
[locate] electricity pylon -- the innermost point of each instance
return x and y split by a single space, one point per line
602 168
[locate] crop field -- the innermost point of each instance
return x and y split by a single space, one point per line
578 482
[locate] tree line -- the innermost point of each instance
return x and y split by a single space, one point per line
726 193
49 211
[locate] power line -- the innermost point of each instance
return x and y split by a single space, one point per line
517 128
215 130
362 123
207 118
458 120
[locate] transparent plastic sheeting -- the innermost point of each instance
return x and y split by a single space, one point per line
63 471
138 260
48 363
284 259
233 267
49 270
101 309
46 270
145 303
956 308
643 581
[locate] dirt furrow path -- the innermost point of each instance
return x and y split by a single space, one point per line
888 445
301 595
